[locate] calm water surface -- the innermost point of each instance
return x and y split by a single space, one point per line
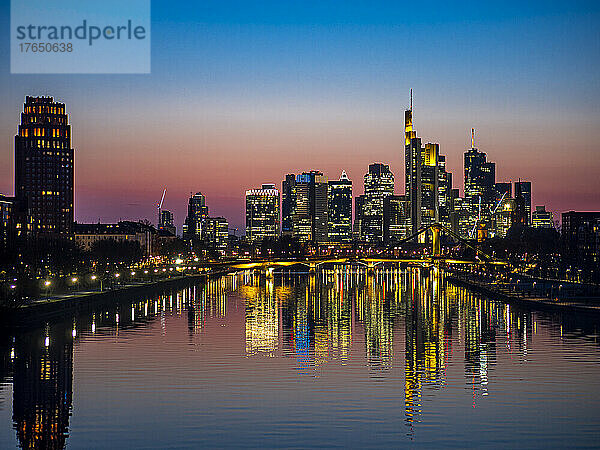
336 359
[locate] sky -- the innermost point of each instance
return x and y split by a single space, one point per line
242 93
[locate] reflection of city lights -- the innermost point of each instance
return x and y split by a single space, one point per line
12 353
47 341
74 333
93 327
117 317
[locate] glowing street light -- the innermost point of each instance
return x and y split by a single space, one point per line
74 280
94 277
47 283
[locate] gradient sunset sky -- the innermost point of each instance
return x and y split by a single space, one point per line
242 93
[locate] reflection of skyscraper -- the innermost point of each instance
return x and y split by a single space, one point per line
44 165
43 388
425 320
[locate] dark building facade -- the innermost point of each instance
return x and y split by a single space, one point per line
44 166
196 217
340 209
523 199
581 239
288 203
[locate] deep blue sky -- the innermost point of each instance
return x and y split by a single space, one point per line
269 88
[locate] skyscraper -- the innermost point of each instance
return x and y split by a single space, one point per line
427 184
306 208
196 217
288 203
166 222
262 213
378 184
216 233
523 190
542 218
396 218
480 183
44 166
340 209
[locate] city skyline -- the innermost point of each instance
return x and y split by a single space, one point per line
438 186
337 105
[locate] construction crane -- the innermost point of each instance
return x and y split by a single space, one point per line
159 205
492 211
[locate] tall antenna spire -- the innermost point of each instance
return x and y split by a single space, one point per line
411 99
472 137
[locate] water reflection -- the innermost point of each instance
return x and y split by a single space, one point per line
407 324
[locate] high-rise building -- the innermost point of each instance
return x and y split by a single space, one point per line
7 222
340 209
378 184
44 166
504 217
581 239
306 206
262 213
445 200
396 219
542 218
288 203
427 184
196 217
166 222
216 233
523 199
480 183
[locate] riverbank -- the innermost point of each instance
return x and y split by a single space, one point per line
497 292
46 308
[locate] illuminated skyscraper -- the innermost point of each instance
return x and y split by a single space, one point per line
306 206
44 166
480 182
396 219
262 213
196 217
379 183
340 209
216 233
427 184
166 222
542 218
